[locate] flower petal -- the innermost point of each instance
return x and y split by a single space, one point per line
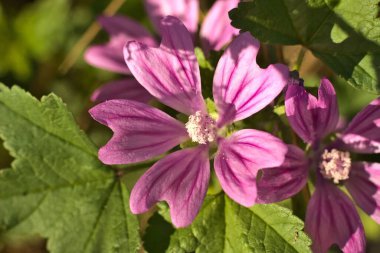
239 158
216 28
363 133
241 88
110 56
132 30
125 88
364 186
140 131
181 179
328 112
280 183
331 218
310 118
170 73
186 10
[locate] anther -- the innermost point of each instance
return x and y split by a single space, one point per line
335 165
201 128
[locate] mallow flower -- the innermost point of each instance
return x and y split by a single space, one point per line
331 217
171 74
215 32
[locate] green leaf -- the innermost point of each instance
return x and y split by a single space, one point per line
344 34
224 226
157 235
57 187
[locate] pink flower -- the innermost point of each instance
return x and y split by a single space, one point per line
171 74
331 217
215 32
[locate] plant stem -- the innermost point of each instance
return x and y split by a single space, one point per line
300 58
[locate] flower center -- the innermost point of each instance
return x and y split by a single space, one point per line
335 165
201 128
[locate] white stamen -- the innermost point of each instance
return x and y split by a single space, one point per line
335 165
201 128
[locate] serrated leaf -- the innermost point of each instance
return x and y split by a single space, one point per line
57 187
344 34
224 226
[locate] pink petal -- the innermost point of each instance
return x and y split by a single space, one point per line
216 29
241 88
331 218
181 179
280 183
310 118
140 131
363 133
125 88
186 10
170 73
328 112
239 158
110 56
364 186
132 30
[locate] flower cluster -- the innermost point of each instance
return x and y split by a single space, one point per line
170 74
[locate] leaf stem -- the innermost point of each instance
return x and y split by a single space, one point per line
300 58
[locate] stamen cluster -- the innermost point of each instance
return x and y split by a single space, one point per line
335 165
201 128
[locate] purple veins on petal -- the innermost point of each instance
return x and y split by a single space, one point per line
239 158
186 10
331 218
240 87
364 187
121 89
181 179
170 73
312 118
363 133
216 30
141 132
109 56
282 182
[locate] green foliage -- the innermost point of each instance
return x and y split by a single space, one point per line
344 34
157 235
56 187
224 226
36 32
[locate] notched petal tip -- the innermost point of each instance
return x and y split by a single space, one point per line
180 179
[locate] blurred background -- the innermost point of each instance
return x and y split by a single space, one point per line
41 49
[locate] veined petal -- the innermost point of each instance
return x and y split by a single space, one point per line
331 218
280 183
312 118
241 156
241 88
328 112
140 131
181 179
216 28
121 89
170 73
186 10
363 133
364 186
110 55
